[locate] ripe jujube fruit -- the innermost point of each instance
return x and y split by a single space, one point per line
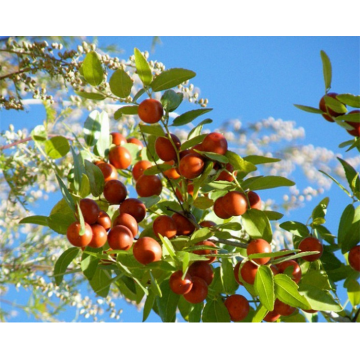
311 244
128 221
202 270
219 208
150 111
90 210
165 149
139 168
271 316
135 141
117 138
225 176
259 246
104 220
165 226
282 308
206 251
248 272
134 207
99 237
148 185
254 200
354 258
178 285
290 268
216 143
171 173
115 192
237 306
207 223
235 203
147 250
198 292
74 237
183 225
120 157
108 171
355 125
191 166
120 238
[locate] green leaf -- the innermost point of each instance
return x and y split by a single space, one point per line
336 182
101 282
84 186
150 201
326 69
171 100
353 291
267 182
92 128
295 318
286 291
189 116
239 163
39 133
214 156
57 147
149 303
215 311
350 174
320 209
126 110
335 105
167 304
296 228
203 203
201 234
89 263
154 285
257 225
96 178
133 150
291 257
273 215
227 277
60 222
309 109
90 95
142 68
171 78
92 69
259 314
36 219
230 225
65 193
193 141
63 262
157 169
78 169
154 129
168 245
185 308
196 131
185 263
195 313
264 287
349 99
346 220
352 237
256 159
272 254
120 83
104 142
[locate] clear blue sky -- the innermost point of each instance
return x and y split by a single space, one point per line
251 78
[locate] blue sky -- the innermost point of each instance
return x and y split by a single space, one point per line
251 78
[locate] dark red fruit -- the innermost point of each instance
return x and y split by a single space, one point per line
225 176
108 171
115 192
355 125
104 220
198 292
271 316
150 111
165 226
178 285
90 210
235 203
254 200
282 308
237 306
139 168
311 244
183 225
202 270
120 157
207 223
248 272
219 209
329 112
191 166
99 237
165 149
118 139
120 238
291 268
354 258
216 143
236 273
128 221
147 250
148 185
206 251
134 207
74 237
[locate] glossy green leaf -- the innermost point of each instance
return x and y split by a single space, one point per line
65 193
60 222
320 209
257 225
353 290
63 262
327 72
259 314
168 245
335 105
104 142
84 186
296 228
39 133
192 142
185 308
57 147
126 110
267 182
203 203
230 225
264 287
227 277
149 303
120 83
189 116
171 78
350 174
154 129
352 237
336 182
90 95
346 220
239 163
273 215
171 100
36 219
215 311
92 69
89 263
195 313
157 169
167 304
78 169
201 234
142 68
309 109
96 178
349 99
196 131
257 159
101 282
92 128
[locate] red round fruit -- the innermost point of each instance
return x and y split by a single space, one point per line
99 237
254 200
135 141
271 316
202 270
74 237
147 250
236 272
225 176
354 258
282 308
120 157
237 306
165 149
139 168
117 138
259 246
235 203
183 225
148 185
115 192
216 143
206 251
291 268
191 166
90 210
219 209
198 292
120 238
108 171
128 221
355 125
248 272
134 207
165 226
311 244
150 111
178 285
171 173
274 269
207 223
104 220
